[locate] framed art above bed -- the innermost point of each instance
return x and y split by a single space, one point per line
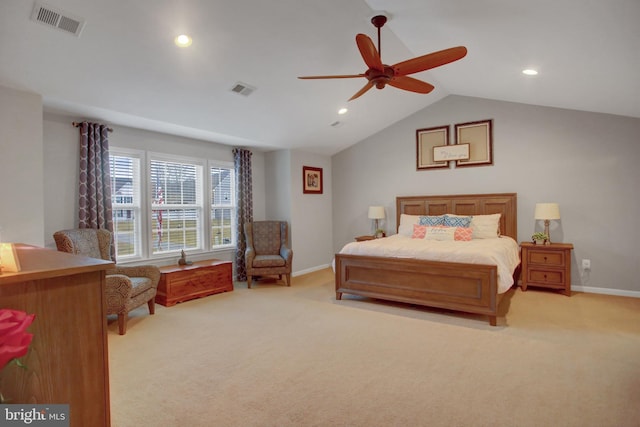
479 137
426 142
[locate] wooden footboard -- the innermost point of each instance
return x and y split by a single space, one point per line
469 288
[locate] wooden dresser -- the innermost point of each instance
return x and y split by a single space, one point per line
180 283
547 266
67 361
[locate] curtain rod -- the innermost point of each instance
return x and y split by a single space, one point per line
76 124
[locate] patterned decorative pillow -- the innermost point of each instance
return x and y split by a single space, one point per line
457 221
440 233
419 231
431 220
463 234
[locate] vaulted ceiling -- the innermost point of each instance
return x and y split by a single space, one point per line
125 69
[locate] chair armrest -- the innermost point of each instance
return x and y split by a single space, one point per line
150 271
249 255
286 253
117 292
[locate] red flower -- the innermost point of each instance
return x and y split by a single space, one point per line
14 341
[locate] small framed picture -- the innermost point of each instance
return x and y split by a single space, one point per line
479 137
311 180
451 152
426 140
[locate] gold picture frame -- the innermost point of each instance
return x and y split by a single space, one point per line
426 140
479 136
311 180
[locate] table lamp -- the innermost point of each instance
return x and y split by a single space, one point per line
376 213
547 212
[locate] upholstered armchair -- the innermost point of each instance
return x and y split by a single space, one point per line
267 250
127 287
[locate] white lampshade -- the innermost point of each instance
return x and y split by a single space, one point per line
376 212
547 211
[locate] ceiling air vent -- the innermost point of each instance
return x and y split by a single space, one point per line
57 18
243 89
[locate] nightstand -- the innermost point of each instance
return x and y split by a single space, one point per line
547 266
364 238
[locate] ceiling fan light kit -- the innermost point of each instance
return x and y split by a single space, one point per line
380 75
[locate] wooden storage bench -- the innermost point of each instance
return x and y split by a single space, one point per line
180 283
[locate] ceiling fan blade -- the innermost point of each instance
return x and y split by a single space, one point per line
411 84
429 61
369 52
343 76
366 87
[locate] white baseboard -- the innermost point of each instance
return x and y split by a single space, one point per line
310 270
606 291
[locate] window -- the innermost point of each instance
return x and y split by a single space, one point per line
176 206
182 209
125 200
223 206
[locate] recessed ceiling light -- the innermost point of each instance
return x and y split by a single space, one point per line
342 111
529 72
183 40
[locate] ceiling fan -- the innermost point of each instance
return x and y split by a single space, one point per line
380 75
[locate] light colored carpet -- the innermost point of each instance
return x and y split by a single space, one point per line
278 356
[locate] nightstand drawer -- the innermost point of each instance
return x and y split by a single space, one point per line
555 258
546 277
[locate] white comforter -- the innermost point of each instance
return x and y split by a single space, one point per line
502 252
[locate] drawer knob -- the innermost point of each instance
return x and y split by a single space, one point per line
545 259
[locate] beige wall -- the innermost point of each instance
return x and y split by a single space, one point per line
21 167
309 215
586 162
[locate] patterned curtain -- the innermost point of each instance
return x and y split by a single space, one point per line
244 198
95 184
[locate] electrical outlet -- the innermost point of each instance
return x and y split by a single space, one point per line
586 264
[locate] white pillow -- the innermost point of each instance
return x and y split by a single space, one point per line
406 224
486 226
440 233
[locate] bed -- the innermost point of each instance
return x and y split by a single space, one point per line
459 286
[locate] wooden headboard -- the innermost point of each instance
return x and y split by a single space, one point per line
464 204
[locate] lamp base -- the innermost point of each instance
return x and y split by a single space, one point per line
546 231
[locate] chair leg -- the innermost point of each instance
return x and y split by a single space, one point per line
249 282
122 323
152 305
288 279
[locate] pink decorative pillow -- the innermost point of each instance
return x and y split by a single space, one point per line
463 233
419 231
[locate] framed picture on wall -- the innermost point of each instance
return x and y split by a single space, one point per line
311 180
479 137
426 140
